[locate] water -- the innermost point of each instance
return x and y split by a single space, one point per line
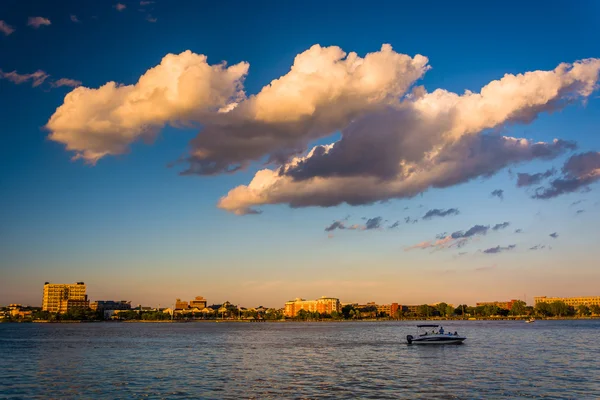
547 359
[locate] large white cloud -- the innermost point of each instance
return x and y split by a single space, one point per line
181 89
323 92
430 140
396 141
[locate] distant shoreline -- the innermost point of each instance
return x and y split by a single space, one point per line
297 321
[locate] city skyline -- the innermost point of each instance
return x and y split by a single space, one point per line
157 152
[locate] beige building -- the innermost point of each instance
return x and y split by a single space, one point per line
59 297
198 302
324 305
570 301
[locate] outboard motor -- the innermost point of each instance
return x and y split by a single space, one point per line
409 338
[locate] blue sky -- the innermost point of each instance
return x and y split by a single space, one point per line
132 228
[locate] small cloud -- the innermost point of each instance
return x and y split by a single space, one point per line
553 235
120 6
462 253
409 220
475 230
436 212
66 82
37 78
150 18
499 249
537 247
579 211
6 28
577 202
335 225
519 230
146 3
74 18
36 22
499 193
578 172
373 223
405 208
330 236
524 179
441 235
394 225
501 226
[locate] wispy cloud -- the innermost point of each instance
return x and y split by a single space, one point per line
578 172
146 3
577 202
524 179
394 225
499 193
553 235
499 249
484 269
409 220
120 6
519 230
6 28
36 22
65 82
436 212
457 239
579 211
150 18
501 226
335 225
538 247
74 18
37 78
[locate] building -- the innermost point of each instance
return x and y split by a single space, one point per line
181 305
570 301
61 298
198 302
110 305
18 311
324 305
505 305
389 309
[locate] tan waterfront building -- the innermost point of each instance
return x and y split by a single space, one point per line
324 305
570 301
61 297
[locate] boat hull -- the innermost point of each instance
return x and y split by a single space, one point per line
435 339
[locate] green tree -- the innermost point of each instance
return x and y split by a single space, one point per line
595 309
543 309
583 310
441 308
518 308
449 311
559 308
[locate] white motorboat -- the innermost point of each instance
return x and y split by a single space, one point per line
530 320
434 334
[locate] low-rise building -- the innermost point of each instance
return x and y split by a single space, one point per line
505 305
181 305
323 305
570 301
110 305
198 302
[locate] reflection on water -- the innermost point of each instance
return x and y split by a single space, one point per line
548 359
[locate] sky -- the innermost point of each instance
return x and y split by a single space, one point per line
259 152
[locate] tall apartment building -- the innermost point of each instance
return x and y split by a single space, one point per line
60 297
570 301
323 305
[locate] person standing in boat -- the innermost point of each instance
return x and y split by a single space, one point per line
441 330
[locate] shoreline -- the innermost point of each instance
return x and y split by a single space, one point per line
311 321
